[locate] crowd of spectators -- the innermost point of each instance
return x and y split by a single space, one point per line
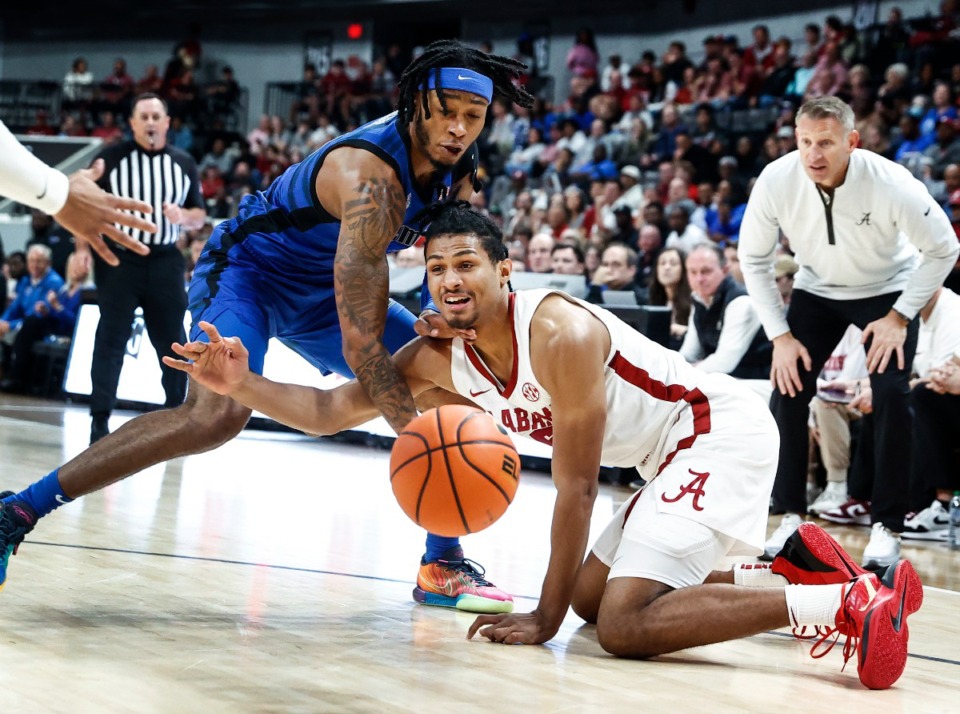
641 160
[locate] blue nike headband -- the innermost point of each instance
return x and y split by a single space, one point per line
465 80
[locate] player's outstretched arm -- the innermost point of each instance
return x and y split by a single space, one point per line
221 365
78 204
371 204
563 334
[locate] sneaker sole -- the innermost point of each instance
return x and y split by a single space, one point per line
812 557
847 520
937 535
465 603
882 655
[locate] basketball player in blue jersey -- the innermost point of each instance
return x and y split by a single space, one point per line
305 262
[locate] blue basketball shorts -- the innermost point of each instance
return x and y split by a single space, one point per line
242 300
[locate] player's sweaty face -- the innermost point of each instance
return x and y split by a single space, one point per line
825 148
463 281
448 133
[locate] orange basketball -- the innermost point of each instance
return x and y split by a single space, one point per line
454 470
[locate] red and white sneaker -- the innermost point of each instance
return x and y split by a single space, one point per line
812 557
853 512
873 617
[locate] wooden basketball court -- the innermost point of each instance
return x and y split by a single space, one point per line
274 575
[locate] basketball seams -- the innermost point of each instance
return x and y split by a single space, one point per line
429 503
466 459
453 483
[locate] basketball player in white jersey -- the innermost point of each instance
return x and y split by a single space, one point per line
572 375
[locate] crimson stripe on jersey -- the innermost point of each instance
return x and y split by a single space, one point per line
669 393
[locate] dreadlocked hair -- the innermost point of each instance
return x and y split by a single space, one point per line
456 217
451 53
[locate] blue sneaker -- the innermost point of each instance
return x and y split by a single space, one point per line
16 520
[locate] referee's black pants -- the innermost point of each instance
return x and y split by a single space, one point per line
155 283
819 323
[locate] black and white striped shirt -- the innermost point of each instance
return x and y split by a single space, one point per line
157 177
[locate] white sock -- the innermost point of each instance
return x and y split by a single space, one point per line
813 604
757 575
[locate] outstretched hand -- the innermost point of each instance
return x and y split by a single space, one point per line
221 365
90 211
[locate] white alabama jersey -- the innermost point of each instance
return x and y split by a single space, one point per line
660 411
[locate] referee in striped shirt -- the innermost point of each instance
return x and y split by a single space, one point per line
144 168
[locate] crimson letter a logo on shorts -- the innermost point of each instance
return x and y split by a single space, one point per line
694 488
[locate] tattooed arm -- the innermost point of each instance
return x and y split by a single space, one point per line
366 195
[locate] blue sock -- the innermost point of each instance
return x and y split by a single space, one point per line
438 545
44 496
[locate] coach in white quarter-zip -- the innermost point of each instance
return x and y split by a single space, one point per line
873 246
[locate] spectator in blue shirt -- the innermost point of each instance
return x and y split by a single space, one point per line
28 306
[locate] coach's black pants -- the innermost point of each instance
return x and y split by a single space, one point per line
156 284
819 323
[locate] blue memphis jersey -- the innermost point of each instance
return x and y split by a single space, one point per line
292 235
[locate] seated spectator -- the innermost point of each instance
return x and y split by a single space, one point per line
567 258
151 82
784 269
29 301
526 159
617 271
935 418
683 234
116 89
55 317
724 334
909 150
14 269
41 126
649 245
180 134
895 88
219 157
842 378
78 84
732 254
183 95
259 137
223 95
669 287
539 253
946 150
71 126
797 89
624 231
774 85
582 59
723 224
108 130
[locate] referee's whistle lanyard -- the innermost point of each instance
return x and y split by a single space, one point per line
828 208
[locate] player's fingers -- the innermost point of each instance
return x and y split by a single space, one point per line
212 332
177 364
98 246
480 622
95 171
123 239
131 204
